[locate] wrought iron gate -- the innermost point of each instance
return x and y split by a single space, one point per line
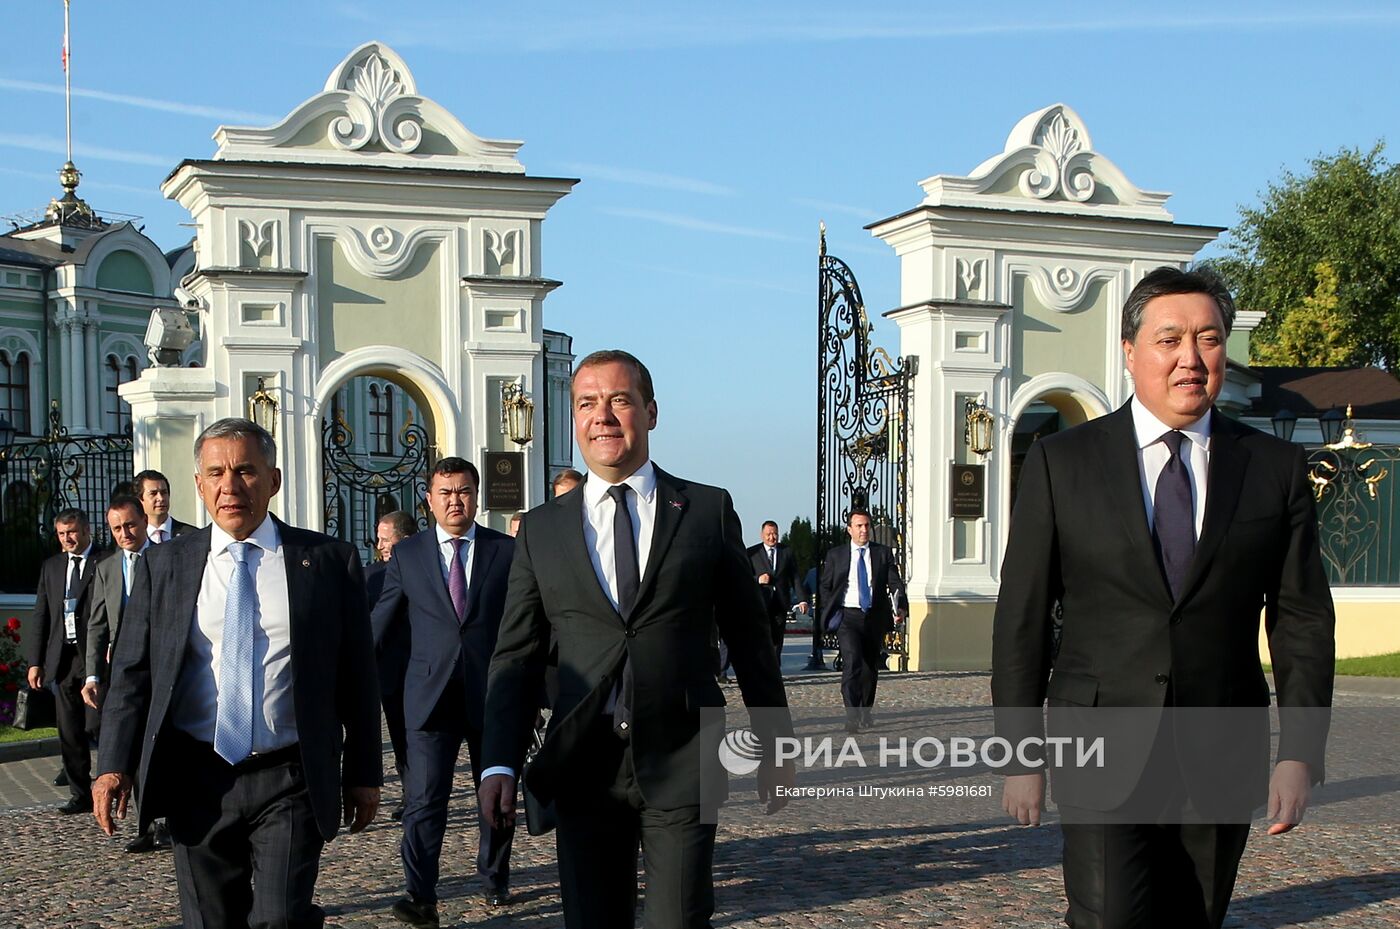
360 486
864 403
42 476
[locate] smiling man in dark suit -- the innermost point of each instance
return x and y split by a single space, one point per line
448 587
776 571
861 594
1162 531
55 644
632 572
243 666
153 490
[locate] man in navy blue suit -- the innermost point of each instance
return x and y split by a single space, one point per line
449 586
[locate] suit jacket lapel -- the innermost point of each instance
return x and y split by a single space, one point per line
116 583
481 561
431 565
188 574
570 533
1118 455
1224 478
670 507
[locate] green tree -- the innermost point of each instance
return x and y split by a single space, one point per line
1343 213
1314 333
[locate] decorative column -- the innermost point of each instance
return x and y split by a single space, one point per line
93 376
65 376
77 375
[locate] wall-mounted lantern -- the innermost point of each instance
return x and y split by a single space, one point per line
517 413
262 408
977 428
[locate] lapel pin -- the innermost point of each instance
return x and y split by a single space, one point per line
677 504
306 562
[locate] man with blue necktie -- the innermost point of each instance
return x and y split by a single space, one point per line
243 697
861 594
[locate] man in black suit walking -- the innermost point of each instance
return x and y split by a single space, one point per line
153 490
243 666
448 587
632 571
776 571
861 596
392 652
1162 531
57 642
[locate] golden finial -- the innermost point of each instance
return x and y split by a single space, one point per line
821 249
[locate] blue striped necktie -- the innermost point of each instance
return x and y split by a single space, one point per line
233 727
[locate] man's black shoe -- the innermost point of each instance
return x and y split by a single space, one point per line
852 728
867 720
76 805
419 915
145 842
161 835
499 897
61 778
397 815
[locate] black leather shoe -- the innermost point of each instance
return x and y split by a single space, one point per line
867 720
419 915
499 897
852 728
76 805
61 778
161 836
145 842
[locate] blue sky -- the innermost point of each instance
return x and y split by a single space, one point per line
710 140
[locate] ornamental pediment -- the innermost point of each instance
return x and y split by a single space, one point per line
1048 164
370 112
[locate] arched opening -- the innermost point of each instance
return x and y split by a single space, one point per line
378 445
1049 413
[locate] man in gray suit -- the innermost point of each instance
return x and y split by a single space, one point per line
110 588
243 667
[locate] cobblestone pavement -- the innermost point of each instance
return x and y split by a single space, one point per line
61 873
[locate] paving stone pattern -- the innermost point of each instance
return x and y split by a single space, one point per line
60 872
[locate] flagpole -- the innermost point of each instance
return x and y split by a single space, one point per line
67 85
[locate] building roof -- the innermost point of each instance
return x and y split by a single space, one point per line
35 253
1372 392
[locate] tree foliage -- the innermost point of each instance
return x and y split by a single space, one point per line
1321 255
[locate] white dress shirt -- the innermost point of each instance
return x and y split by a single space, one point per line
1152 455
598 510
166 530
445 553
196 703
858 552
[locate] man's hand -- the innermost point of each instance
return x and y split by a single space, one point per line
771 777
106 790
765 578
1023 796
36 677
361 803
1288 795
802 607
90 694
496 797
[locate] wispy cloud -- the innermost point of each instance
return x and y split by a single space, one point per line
201 111
549 27
681 221
642 178
827 206
52 177
42 143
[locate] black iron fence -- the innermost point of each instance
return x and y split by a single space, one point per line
1357 509
42 476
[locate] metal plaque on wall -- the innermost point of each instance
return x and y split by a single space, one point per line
504 476
967 496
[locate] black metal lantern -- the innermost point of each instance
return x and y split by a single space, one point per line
1331 423
1284 422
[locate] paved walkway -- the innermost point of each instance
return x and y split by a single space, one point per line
61 873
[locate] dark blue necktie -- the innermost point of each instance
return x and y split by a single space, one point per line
863 579
629 581
1173 518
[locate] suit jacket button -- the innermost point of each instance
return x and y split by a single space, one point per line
1161 678
631 633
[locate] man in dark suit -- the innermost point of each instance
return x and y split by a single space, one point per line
110 589
153 490
57 642
1162 531
243 666
776 571
861 595
449 587
631 571
393 651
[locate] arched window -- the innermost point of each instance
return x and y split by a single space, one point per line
381 418
14 390
116 412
